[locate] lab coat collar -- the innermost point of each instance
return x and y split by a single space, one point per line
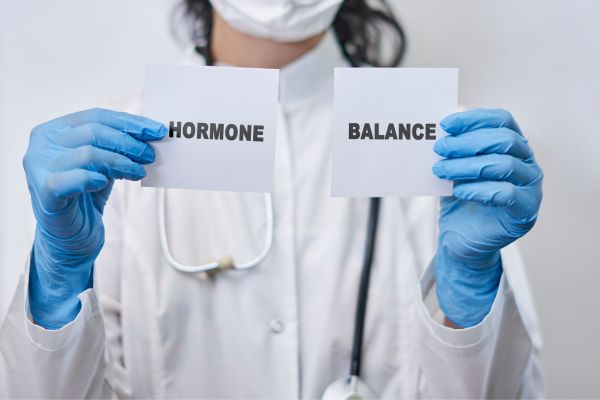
304 77
312 72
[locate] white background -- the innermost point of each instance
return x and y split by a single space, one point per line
538 58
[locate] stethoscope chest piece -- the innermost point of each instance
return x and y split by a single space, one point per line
351 388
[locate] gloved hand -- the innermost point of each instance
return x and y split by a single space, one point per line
70 166
496 197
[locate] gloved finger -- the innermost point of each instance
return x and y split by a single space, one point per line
497 167
141 128
484 141
521 203
66 183
107 138
502 194
479 118
110 164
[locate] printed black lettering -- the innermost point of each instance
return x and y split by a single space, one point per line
391 132
417 131
430 131
189 130
353 131
367 133
174 130
258 133
201 130
378 136
231 132
404 131
245 132
216 131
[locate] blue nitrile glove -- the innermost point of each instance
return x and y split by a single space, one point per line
496 198
71 164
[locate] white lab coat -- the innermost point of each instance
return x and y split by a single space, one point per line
284 329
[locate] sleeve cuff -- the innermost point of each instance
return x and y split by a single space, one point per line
432 317
53 340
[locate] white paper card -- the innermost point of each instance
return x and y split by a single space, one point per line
222 123
385 124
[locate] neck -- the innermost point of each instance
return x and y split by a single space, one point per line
232 47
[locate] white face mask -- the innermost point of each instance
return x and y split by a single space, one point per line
280 20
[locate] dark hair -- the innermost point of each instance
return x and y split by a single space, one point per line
362 30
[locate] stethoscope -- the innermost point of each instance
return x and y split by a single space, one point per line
225 262
351 387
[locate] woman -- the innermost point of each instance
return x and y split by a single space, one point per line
449 312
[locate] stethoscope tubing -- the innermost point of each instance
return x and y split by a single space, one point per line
363 289
224 263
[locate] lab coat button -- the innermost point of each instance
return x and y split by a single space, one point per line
276 326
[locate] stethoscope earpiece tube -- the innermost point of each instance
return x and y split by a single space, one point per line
225 263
